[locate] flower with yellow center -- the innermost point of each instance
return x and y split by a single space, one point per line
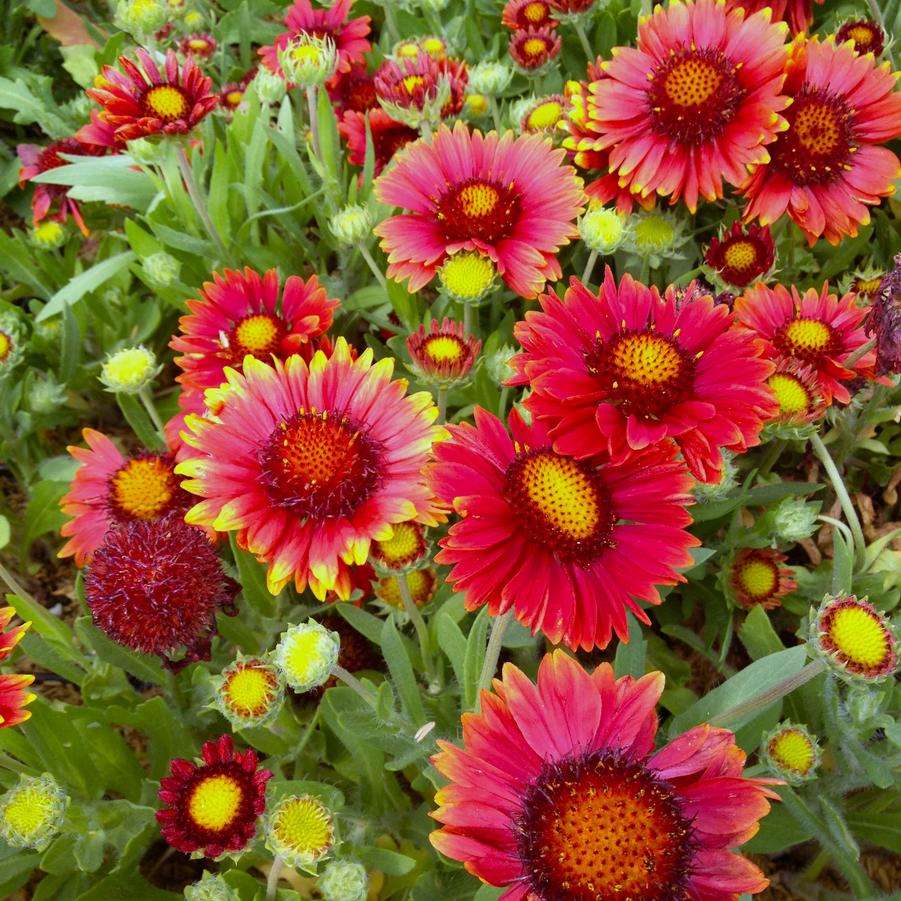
130 370
603 230
32 812
405 548
11 343
542 114
854 638
308 60
48 234
477 105
300 831
791 752
249 692
467 276
799 397
305 654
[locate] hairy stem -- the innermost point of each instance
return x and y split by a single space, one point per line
199 202
493 652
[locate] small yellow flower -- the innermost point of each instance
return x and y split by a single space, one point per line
791 752
305 654
602 230
467 276
129 370
32 812
249 692
300 830
48 234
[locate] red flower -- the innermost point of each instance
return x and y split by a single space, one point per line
532 48
415 82
443 353
867 35
349 37
815 328
353 90
568 545
757 578
694 103
154 586
13 697
36 160
146 101
741 255
213 806
200 46
388 136
557 793
521 14
798 13
828 167
627 368
243 313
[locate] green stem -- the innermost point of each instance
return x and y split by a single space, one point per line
819 863
467 319
380 276
352 682
863 349
502 403
197 199
877 16
14 587
13 765
422 630
272 880
773 453
307 733
776 693
495 112
493 652
149 406
841 493
592 258
390 24
583 38
314 120
425 130
442 405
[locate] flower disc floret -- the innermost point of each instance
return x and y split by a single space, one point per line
582 806
211 806
300 830
32 812
857 641
791 753
305 654
625 369
510 199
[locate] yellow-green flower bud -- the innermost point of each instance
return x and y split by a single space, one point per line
194 20
299 829
128 371
344 880
161 269
32 812
490 78
11 343
602 230
795 519
48 235
141 18
351 225
308 60
306 654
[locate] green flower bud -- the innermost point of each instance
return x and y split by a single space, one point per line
161 269
795 519
129 371
45 395
308 60
344 880
143 151
269 87
194 20
141 18
791 752
212 887
351 225
300 830
656 236
32 812
490 78
602 230
498 364
48 235
12 339
706 493
306 654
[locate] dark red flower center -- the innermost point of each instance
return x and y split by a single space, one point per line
563 504
532 49
387 141
806 339
167 102
259 335
602 826
144 488
478 209
321 465
819 142
645 373
694 95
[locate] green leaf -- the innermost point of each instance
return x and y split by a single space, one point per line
474 658
452 641
758 635
4 532
630 656
364 622
141 666
751 683
43 513
389 862
402 675
87 281
112 180
137 418
252 576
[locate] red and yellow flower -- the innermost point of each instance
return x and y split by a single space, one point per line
353 91
533 48
212 805
513 200
521 14
817 329
421 87
145 100
827 167
350 37
694 103
200 46
557 792
13 696
443 353
757 578
741 255
243 313
310 463
563 542
110 489
388 136
798 395
867 35
625 369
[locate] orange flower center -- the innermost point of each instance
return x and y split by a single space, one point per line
215 802
535 13
805 339
563 504
259 335
694 94
740 255
478 210
644 372
791 394
861 35
143 488
165 101
819 143
320 465
603 827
